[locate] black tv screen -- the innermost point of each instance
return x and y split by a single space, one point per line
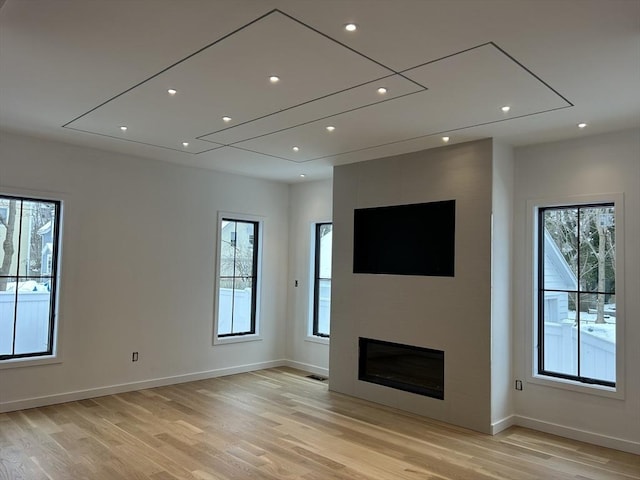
415 239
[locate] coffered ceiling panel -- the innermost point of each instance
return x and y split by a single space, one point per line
78 71
487 73
231 77
465 90
361 96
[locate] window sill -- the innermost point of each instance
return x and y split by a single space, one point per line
579 387
317 339
236 339
30 362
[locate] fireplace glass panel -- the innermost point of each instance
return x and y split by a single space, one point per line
405 367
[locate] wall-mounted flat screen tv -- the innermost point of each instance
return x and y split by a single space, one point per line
415 239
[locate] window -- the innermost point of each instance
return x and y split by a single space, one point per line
322 280
237 283
576 293
29 236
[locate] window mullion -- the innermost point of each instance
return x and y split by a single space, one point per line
15 305
233 278
541 273
557 361
242 272
53 273
579 294
37 332
254 275
318 280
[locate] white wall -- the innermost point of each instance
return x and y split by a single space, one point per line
138 269
607 163
132 282
501 291
445 313
310 203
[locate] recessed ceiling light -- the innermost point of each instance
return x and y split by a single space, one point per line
302 175
582 125
445 139
185 144
123 128
172 91
226 119
296 149
331 128
350 27
274 79
382 90
506 108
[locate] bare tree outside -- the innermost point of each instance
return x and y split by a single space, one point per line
237 256
41 215
28 261
587 242
8 221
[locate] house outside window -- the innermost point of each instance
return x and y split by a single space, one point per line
577 318
29 251
322 280
237 278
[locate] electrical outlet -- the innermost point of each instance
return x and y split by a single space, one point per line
296 283
134 357
518 384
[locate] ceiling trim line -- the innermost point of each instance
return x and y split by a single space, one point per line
344 45
219 145
513 59
262 153
200 50
319 119
506 54
457 129
201 137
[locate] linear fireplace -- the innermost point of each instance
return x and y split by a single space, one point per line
405 367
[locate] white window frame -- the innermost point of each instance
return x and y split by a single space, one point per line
56 356
531 303
311 291
217 340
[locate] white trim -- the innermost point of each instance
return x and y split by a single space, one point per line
531 306
317 339
577 434
500 425
566 384
30 361
238 338
312 283
307 367
311 275
132 386
56 348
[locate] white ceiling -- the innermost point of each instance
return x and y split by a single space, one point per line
78 70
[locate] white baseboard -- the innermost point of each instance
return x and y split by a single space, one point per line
128 387
307 367
577 434
503 424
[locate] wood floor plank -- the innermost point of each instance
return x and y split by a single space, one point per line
277 424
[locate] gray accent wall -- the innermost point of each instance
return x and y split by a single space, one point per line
444 313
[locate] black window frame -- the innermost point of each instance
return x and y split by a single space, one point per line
254 276
52 277
540 290
316 282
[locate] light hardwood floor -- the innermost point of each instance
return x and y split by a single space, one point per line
276 424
